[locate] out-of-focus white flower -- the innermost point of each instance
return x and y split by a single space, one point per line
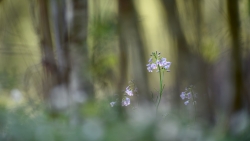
16 95
78 97
112 104
59 98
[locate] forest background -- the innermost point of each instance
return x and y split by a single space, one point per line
62 62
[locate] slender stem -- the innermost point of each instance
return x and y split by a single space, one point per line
161 88
194 103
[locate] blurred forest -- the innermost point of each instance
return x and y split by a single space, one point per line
66 65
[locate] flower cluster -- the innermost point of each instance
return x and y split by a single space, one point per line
189 95
130 91
156 61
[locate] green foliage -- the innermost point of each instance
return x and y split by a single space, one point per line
8 79
100 123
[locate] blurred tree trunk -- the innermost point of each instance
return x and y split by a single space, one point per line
189 64
246 67
57 62
236 60
123 60
60 37
131 43
183 53
198 7
203 71
48 58
78 41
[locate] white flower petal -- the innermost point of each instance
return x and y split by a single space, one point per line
126 101
112 104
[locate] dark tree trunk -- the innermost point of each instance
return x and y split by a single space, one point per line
183 52
48 60
123 61
131 40
191 68
234 27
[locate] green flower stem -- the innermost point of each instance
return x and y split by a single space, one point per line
161 88
194 105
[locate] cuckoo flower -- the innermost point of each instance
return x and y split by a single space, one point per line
129 91
159 64
189 95
125 101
